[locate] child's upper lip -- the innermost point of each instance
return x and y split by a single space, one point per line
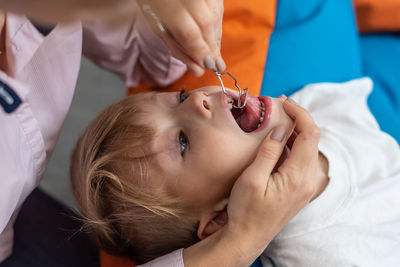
224 103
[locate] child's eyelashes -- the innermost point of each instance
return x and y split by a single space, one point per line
183 142
183 95
182 138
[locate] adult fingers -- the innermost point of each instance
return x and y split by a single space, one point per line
305 146
291 139
152 13
248 193
220 7
194 26
176 18
268 155
304 121
171 18
207 17
217 9
178 52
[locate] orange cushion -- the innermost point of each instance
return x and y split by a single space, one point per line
378 15
107 260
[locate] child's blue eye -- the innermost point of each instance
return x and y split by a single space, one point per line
183 142
183 95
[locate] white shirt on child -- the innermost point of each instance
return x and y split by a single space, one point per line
356 220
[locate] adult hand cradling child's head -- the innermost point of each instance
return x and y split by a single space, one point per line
268 199
171 159
262 201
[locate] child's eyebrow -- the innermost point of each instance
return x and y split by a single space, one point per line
145 101
153 96
166 153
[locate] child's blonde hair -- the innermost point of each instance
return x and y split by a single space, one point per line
122 213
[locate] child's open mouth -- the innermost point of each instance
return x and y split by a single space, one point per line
256 113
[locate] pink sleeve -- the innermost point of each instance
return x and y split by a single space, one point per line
131 50
173 259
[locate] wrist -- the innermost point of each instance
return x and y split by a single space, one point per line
248 243
225 248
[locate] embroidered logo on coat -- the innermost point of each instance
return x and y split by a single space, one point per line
9 100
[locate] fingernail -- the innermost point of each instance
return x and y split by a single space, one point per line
198 73
278 133
221 66
209 63
291 101
190 69
283 97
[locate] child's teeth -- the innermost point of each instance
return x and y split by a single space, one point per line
262 114
230 103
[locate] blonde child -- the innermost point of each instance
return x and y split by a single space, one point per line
154 173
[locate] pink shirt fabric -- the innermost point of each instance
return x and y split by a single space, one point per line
42 71
173 259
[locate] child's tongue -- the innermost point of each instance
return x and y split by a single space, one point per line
248 117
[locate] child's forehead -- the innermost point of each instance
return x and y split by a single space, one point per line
150 105
143 104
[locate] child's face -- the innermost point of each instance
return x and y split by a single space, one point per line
202 149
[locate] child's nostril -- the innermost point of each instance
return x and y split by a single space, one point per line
205 104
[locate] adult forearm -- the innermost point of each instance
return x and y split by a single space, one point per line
53 11
224 248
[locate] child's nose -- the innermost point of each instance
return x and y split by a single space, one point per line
201 103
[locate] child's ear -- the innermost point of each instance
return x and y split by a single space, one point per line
213 221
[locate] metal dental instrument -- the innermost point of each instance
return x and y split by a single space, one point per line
244 92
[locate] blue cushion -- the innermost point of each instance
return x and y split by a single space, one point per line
313 41
381 61
317 41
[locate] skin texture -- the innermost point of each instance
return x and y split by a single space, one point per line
203 169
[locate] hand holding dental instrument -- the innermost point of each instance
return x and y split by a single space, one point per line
180 23
244 92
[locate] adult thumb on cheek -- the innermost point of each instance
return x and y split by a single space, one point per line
268 155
